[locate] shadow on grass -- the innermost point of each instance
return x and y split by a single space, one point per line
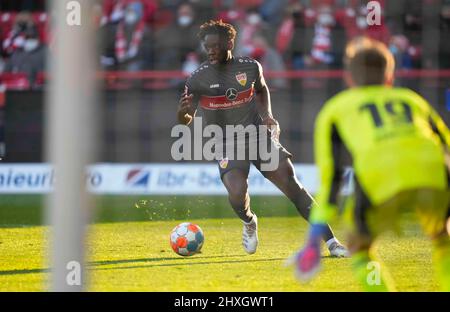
186 263
108 262
94 265
25 271
124 261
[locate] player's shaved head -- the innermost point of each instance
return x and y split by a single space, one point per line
369 62
225 31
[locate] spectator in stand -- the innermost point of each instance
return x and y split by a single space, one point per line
311 38
328 42
176 41
29 59
191 63
231 15
16 38
412 22
270 60
128 41
251 25
292 37
204 9
412 30
114 10
399 46
272 11
406 19
286 30
346 16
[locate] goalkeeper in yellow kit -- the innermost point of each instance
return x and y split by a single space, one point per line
397 145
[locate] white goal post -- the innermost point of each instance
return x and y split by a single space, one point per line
71 116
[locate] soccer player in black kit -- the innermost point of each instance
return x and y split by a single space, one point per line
232 91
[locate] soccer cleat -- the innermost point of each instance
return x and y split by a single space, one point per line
337 250
250 236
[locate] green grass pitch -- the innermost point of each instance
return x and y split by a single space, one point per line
128 248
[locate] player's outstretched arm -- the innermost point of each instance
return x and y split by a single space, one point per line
328 169
307 260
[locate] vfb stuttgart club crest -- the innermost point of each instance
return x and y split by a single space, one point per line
223 163
242 78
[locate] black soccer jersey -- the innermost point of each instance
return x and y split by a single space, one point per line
226 92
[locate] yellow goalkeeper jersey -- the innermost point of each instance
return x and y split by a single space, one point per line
393 138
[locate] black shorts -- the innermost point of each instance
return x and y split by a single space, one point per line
229 163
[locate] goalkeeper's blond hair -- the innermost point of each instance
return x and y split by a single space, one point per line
369 62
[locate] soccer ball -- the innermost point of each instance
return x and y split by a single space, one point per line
186 239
